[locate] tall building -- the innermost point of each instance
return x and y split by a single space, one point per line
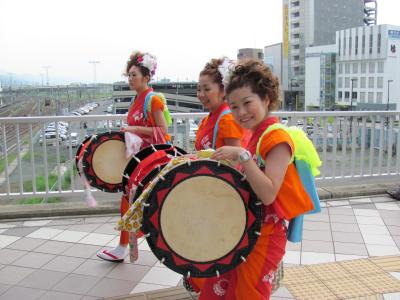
251 53
370 12
368 64
308 23
320 78
273 59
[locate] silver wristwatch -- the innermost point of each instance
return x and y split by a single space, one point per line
244 156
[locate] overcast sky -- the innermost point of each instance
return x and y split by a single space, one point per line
184 35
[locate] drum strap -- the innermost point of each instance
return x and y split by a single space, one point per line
214 140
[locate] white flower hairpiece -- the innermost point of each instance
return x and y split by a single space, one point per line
148 61
226 69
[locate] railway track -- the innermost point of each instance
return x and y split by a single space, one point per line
18 109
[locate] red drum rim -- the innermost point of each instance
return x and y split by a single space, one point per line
79 152
153 211
143 154
87 161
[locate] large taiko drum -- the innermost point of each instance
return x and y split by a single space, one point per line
104 160
145 165
201 218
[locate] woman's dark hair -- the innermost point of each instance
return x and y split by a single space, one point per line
211 69
259 78
133 61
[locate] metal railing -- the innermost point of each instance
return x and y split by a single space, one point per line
350 144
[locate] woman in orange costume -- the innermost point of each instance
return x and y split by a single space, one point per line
210 91
253 92
219 128
139 69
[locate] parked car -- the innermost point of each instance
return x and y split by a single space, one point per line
50 138
74 139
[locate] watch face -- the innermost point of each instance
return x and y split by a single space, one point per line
244 156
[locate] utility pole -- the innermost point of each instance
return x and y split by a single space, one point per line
47 74
94 62
10 77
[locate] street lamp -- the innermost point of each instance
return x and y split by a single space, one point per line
94 62
47 74
388 84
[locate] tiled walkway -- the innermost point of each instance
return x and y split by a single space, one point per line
55 258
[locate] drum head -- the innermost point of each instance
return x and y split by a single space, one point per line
79 152
202 218
104 161
142 154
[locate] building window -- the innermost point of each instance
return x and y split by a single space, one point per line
350 40
371 81
379 43
354 96
380 66
347 68
371 67
356 45
370 43
344 43
340 82
363 44
346 96
347 82
354 82
340 68
355 68
363 67
340 44
363 83
362 97
340 95
379 97
370 97
379 82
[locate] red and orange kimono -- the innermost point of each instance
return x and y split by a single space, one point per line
136 118
227 129
253 279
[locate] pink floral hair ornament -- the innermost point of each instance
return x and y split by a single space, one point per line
226 69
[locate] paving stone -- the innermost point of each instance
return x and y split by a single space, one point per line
77 284
27 244
348 237
33 260
343 227
19 292
108 287
20 231
317 246
53 247
350 248
7 256
42 279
